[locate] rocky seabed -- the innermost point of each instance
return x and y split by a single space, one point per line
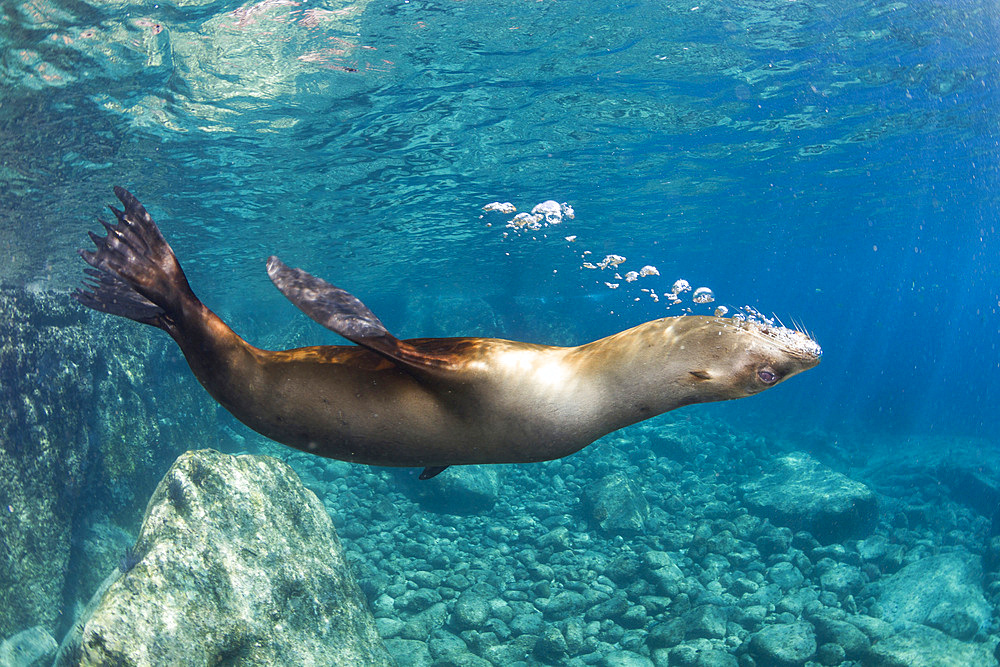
675 542
657 546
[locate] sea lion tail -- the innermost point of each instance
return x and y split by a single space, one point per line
136 274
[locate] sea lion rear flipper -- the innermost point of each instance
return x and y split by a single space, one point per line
343 313
135 274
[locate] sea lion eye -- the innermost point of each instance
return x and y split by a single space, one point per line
766 376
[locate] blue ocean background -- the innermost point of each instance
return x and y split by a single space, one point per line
833 164
830 164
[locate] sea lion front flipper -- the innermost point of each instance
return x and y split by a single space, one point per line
431 471
343 313
336 309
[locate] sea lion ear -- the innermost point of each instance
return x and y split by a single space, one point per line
701 375
343 313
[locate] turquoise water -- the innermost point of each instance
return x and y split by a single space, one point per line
835 164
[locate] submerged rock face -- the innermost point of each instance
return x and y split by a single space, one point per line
803 494
790 644
920 646
941 591
43 361
238 563
79 431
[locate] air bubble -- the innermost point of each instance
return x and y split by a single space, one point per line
703 295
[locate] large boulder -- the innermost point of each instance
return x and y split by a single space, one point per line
786 645
467 489
799 492
236 563
617 505
920 646
941 591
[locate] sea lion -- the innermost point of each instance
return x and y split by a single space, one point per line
430 402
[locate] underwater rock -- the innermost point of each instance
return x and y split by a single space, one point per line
698 653
102 547
677 446
623 658
617 505
874 548
514 652
920 646
77 440
556 539
420 625
563 604
842 579
786 645
974 484
409 652
34 646
874 628
238 563
830 654
48 393
417 600
389 627
706 621
551 646
943 591
666 634
623 570
803 494
472 609
527 624
461 490
447 649
852 641
785 575
667 580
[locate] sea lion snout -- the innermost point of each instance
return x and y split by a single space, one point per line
776 354
730 359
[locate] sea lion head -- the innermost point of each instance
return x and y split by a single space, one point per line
740 357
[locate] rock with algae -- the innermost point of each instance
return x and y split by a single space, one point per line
44 393
79 429
920 646
237 563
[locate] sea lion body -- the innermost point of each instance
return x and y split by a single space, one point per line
350 403
431 402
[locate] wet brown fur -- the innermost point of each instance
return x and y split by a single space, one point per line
355 404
